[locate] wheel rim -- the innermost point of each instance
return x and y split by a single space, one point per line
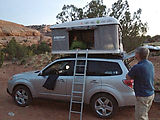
21 96
103 106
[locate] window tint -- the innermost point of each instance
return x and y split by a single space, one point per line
80 69
102 68
68 69
62 67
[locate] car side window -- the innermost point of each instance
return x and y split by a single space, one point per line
80 69
103 68
67 69
64 68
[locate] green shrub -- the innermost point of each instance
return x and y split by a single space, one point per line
43 47
22 51
131 43
33 48
11 48
1 58
15 50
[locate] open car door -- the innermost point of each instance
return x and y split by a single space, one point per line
129 55
128 58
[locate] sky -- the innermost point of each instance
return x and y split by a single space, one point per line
36 12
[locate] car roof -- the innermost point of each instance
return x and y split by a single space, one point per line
83 58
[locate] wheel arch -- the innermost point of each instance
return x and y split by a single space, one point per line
103 93
26 83
17 85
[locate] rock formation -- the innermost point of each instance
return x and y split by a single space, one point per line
22 34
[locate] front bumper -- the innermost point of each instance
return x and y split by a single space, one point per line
8 92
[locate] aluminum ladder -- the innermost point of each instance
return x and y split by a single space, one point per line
77 96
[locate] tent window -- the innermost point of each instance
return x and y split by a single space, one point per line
107 37
81 39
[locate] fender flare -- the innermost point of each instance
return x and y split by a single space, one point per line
104 89
25 82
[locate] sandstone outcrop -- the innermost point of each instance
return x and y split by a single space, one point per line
13 29
22 34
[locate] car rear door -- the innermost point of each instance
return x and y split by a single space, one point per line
93 81
112 74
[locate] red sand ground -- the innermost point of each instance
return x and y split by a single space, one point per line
55 110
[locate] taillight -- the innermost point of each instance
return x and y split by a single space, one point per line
129 83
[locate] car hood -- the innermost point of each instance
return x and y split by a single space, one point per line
151 47
26 75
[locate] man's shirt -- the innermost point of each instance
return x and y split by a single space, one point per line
143 75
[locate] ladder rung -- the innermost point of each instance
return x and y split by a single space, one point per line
77 96
76 112
81 65
77 92
78 83
79 74
78 102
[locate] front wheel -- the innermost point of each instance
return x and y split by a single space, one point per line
22 96
104 105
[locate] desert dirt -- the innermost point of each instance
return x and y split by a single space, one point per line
57 110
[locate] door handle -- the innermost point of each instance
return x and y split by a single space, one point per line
61 80
94 81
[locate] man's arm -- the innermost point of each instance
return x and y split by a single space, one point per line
132 73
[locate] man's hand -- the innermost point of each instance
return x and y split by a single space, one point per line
128 77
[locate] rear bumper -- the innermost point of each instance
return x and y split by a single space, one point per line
128 99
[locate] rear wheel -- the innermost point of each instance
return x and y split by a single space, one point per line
22 96
104 105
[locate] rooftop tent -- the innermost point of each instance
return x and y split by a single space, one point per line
99 35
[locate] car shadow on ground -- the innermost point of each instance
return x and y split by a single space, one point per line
123 113
47 109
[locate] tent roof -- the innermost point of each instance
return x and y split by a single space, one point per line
87 22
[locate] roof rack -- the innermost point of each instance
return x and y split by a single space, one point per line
89 52
104 56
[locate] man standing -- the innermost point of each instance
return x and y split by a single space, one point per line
143 76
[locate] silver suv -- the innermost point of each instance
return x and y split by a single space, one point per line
106 88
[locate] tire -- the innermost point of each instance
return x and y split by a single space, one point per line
22 96
104 105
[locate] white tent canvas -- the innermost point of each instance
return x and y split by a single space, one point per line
99 35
